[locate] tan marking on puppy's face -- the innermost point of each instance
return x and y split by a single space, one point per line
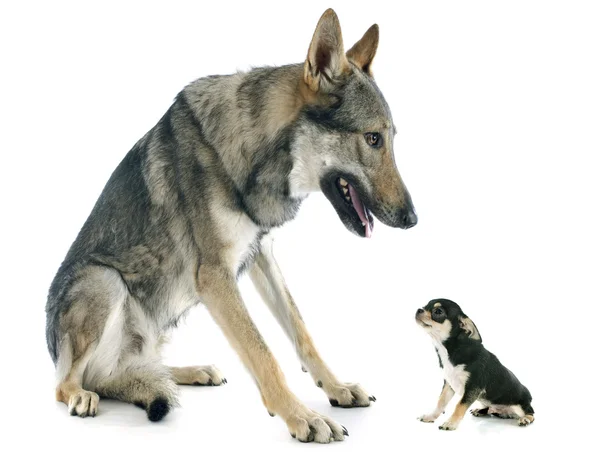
436 325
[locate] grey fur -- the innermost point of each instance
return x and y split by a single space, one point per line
230 147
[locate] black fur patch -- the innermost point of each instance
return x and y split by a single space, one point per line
158 409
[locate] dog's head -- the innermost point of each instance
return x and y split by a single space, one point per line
344 138
443 319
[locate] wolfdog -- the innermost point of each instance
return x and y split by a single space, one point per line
189 209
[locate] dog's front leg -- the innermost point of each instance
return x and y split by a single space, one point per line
219 292
269 282
445 397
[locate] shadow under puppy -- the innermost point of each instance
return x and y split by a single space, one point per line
470 370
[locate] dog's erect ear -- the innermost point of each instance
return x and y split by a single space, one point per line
326 59
467 325
363 52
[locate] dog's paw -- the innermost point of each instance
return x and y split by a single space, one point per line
348 395
480 412
448 426
430 418
308 426
83 403
208 375
200 375
526 420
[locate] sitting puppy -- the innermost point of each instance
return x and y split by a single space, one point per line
470 370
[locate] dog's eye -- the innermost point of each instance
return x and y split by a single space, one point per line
374 139
438 311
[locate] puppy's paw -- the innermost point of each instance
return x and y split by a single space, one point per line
430 418
449 426
480 412
348 395
526 420
83 403
308 426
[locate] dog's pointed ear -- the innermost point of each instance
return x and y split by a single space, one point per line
326 59
467 325
363 52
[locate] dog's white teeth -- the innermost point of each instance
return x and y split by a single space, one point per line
343 182
346 192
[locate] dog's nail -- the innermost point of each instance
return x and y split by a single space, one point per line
319 384
345 431
272 415
304 369
293 435
372 398
334 402
224 381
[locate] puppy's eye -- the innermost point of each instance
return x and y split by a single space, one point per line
438 311
374 139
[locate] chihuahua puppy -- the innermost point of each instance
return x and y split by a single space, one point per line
470 370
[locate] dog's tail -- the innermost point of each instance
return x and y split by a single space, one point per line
148 385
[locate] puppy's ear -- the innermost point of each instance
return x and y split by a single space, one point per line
467 325
326 60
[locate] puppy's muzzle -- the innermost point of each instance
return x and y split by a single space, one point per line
419 318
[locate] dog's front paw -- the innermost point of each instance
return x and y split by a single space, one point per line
448 426
430 418
308 426
348 395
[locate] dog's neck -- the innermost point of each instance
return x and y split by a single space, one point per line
248 120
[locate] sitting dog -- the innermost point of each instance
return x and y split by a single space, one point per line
470 370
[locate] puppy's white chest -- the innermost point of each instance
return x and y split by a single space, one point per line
456 376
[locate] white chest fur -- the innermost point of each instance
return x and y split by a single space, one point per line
238 234
456 376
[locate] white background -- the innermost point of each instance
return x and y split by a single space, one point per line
497 105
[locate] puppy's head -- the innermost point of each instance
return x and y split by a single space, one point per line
443 319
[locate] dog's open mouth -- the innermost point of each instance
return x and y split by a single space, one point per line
350 197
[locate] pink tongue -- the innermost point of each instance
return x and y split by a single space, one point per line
360 210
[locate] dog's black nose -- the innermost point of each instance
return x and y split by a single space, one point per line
410 219
420 311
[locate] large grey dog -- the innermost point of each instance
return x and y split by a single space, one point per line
190 209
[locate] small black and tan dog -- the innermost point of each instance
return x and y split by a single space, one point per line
470 370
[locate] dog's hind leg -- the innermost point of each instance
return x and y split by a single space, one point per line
480 412
269 282
93 306
524 414
80 402
197 375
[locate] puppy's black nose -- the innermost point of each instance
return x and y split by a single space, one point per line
420 311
